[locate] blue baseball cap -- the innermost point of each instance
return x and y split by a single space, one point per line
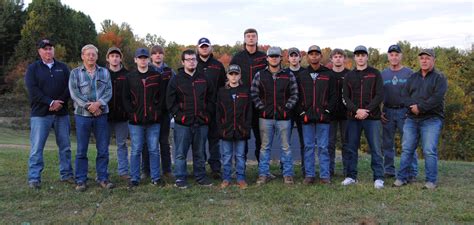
394 48
204 41
142 52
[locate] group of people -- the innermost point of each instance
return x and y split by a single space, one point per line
223 108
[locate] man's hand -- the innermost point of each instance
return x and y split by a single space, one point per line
414 109
56 106
361 114
94 107
384 119
97 112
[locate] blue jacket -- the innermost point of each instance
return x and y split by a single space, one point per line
45 85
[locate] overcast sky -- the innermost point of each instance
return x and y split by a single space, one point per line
294 23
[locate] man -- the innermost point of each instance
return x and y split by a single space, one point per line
215 72
251 60
317 101
338 116
142 99
394 112
117 117
158 64
189 100
274 92
363 94
46 81
91 89
424 96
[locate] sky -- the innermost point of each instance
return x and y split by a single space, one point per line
294 23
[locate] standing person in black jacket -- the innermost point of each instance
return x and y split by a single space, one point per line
234 122
117 115
251 60
363 95
338 115
189 99
143 97
316 103
215 72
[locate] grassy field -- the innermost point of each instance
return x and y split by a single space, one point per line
275 203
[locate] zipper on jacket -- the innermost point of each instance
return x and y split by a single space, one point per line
144 95
194 96
361 92
314 95
274 99
234 113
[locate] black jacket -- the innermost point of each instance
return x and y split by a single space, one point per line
166 74
117 112
250 64
233 114
143 97
190 98
317 97
428 93
214 70
340 111
363 89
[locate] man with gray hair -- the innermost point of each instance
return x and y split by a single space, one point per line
91 89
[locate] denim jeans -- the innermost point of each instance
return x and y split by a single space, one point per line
428 130
372 131
396 119
100 128
228 150
268 128
334 126
184 137
121 135
40 127
316 134
214 159
165 148
138 135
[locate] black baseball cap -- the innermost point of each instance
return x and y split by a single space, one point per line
394 48
44 42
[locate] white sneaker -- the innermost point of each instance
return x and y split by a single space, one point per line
348 181
378 184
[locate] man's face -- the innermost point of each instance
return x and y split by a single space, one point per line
274 60
426 62
204 51
337 60
89 57
361 59
251 39
46 53
314 57
233 77
157 57
142 61
294 59
114 59
189 62
394 58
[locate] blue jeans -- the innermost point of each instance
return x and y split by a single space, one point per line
138 135
228 149
40 127
316 134
372 131
334 126
121 135
184 137
268 128
428 130
396 119
99 127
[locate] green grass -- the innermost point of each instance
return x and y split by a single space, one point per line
275 203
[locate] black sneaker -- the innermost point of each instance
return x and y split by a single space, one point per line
205 182
132 185
158 183
34 185
181 184
216 175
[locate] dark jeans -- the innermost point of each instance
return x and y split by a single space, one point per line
194 137
214 158
299 128
256 134
336 125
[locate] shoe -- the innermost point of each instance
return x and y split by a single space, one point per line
168 175
106 184
271 176
205 182
242 185
225 184
144 176
69 180
81 187
411 180
132 184
324 181
288 180
181 184
125 177
34 185
348 181
216 175
389 175
429 185
262 180
398 183
308 180
158 183
378 184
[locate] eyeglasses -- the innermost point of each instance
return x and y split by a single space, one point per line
190 60
274 56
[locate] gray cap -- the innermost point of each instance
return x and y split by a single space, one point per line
361 48
427 51
233 68
314 48
274 51
113 49
294 50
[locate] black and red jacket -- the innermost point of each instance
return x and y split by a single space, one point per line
363 89
250 64
316 96
143 97
214 70
233 114
166 74
340 111
190 98
117 112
